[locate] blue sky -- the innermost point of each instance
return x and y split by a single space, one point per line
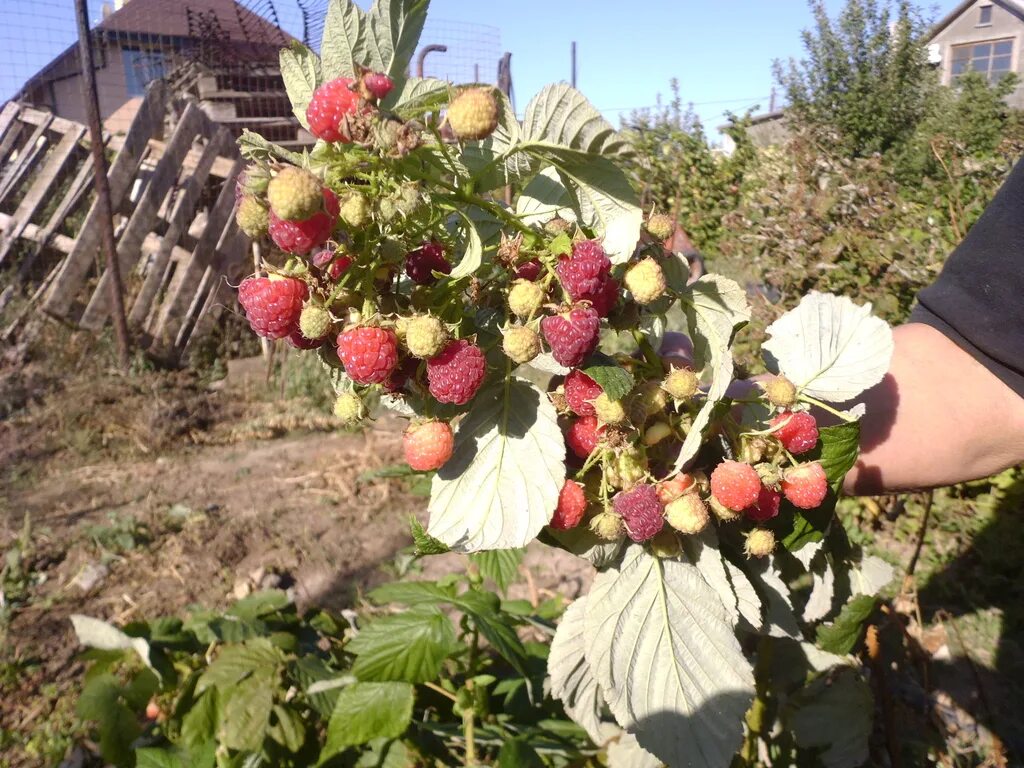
626 52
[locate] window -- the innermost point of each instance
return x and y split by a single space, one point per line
140 68
991 60
984 15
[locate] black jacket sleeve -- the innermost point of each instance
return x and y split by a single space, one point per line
978 299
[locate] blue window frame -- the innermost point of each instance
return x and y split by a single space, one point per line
991 60
141 67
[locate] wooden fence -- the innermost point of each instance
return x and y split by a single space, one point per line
173 200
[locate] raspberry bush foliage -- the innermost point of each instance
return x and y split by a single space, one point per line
496 283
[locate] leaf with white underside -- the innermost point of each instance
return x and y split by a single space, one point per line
870 575
544 198
833 714
571 679
560 114
626 752
300 70
474 253
727 581
96 633
418 96
500 487
716 307
662 647
831 348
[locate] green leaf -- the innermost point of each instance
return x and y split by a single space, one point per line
662 647
106 637
844 633
256 658
418 96
833 713
386 753
483 608
517 753
837 450
602 195
300 70
118 730
572 681
499 565
200 723
425 543
366 711
501 485
245 713
409 647
560 114
260 604
715 308
412 593
474 254
829 347
287 728
615 380
343 47
151 757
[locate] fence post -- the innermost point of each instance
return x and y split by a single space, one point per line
99 160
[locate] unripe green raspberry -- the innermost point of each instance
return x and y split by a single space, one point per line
657 432
386 209
425 336
650 401
722 512
521 344
687 514
349 408
626 468
760 543
254 180
557 226
666 544
473 114
525 298
315 322
295 194
661 226
646 281
607 526
609 411
780 391
252 217
681 383
408 198
355 211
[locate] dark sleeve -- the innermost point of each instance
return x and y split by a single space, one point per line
978 299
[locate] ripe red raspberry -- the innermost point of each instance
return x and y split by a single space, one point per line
456 373
331 102
735 485
604 300
640 511
428 446
339 267
400 376
378 84
424 261
301 237
800 432
671 489
584 272
580 392
805 485
572 503
572 335
368 353
529 270
272 306
766 507
583 435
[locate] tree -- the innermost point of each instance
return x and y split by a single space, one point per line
865 83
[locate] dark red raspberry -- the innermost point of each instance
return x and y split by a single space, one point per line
641 511
580 392
404 371
766 507
455 375
339 267
585 271
297 340
572 503
424 261
604 301
583 436
529 270
572 335
301 237
378 84
331 102
272 306
800 432
368 353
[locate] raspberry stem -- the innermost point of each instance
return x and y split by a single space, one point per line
825 407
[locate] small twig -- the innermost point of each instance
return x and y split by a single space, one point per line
438 689
922 531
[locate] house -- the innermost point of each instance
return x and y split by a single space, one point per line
143 40
985 36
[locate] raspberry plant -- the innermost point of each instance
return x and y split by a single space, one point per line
528 344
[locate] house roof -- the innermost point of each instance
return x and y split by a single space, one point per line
1013 6
234 29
